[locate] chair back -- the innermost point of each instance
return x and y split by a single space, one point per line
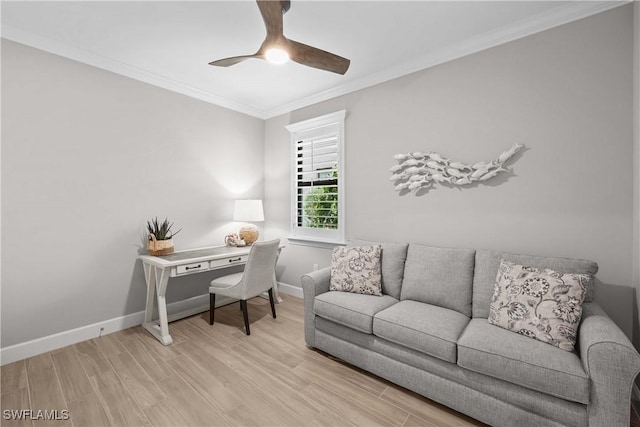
260 271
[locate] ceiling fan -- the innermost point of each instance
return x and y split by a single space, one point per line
279 49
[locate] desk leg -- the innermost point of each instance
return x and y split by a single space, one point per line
150 278
157 285
161 288
276 292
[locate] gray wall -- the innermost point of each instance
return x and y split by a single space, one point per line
566 94
87 157
85 150
636 169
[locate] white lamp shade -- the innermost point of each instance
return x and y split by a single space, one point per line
248 211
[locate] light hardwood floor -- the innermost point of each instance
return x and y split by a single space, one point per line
212 376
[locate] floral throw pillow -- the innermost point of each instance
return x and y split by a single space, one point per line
356 269
539 303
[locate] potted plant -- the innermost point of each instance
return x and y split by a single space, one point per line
160 237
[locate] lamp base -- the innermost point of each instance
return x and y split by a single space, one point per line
249 233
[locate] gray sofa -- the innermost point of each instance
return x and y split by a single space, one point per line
429 333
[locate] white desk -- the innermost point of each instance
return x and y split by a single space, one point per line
158 270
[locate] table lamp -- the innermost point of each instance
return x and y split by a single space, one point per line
248 211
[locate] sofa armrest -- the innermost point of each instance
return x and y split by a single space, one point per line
611 362
314 283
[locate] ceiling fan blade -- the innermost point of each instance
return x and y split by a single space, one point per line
226 62
317 58
271 12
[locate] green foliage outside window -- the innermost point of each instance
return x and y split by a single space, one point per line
321 208
321 205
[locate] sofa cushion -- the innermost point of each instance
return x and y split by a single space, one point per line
356 269
486 269
539 303
423 327
439 276
353 310
496 352
392 261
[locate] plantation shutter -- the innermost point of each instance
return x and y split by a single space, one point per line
317 182
317 194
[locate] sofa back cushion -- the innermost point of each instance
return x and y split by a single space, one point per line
439 276
392 261
488 262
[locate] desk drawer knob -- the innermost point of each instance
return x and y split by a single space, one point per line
194 267
235 259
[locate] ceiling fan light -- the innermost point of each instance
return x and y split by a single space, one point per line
276 55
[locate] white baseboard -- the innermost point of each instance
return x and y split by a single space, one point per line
83 333
62 339
290 289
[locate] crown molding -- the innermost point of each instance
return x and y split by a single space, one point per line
115 66
557 16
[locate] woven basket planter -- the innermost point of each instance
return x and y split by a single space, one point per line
159 247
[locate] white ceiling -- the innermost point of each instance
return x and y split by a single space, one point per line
169 44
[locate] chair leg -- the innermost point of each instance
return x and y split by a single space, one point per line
273 307
212 307
245 314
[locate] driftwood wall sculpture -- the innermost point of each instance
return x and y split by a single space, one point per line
418 170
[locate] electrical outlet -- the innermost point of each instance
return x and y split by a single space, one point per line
315 267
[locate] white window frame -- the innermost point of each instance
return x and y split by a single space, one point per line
333 122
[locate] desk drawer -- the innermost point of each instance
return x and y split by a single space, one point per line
192 268
219 263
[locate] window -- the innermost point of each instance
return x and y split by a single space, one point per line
318 179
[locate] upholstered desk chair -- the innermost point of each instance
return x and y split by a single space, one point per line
259 275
